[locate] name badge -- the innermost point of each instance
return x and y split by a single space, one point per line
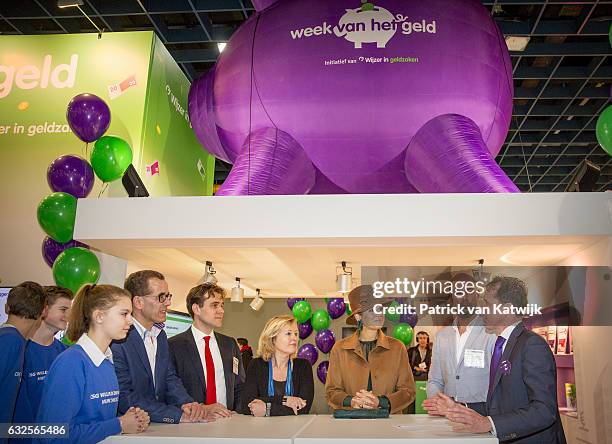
235 365
474 358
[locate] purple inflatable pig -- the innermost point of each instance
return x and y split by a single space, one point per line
348 96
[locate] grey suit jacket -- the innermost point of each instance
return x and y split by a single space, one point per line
465 384
523 399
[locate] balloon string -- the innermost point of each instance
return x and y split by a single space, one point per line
103 189
86 149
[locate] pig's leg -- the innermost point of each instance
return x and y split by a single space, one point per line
270 162
357 45
449 155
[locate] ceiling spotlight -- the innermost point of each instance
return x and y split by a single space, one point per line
221 46
258 302
237 292
209 274
344 278
479 273
69 3
517 42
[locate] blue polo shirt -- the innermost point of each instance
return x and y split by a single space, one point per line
12 345
81 390
37 361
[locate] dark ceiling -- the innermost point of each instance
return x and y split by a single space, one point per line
562 79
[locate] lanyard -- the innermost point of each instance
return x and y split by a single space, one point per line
288 383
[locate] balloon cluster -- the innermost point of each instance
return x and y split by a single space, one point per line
71 177
405 323
319 321
603 129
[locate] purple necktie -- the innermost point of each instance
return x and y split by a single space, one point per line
495 359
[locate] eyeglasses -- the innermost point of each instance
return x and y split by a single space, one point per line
162 297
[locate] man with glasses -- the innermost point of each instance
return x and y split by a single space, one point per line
147 378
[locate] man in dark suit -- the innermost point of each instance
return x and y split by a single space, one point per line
522 398
142 362
208 363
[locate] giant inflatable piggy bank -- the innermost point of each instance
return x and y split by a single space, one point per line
347 96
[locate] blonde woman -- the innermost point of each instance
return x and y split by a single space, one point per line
278 383
81 389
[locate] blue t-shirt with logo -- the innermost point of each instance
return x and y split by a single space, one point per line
37 361
79 394
12 347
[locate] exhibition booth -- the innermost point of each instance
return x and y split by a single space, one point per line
363 140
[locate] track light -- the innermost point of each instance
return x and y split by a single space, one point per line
221 46
209 274
258 302
344 278
69 3
237 292
479 273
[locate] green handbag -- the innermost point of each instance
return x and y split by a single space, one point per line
350 413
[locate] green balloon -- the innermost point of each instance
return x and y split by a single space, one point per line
302 311
320 320
403 332
75 267
603 130
348 310
110 157
610 34
393 317
56 214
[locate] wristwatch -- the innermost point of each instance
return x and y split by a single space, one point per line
268 408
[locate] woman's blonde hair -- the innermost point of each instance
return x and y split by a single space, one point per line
91 297
265 349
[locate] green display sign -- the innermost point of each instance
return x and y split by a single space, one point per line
136 76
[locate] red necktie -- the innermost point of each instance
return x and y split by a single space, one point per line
211 386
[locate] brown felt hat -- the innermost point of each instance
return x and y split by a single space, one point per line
362 299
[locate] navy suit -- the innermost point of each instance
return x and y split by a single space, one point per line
186 359
163 401
522 401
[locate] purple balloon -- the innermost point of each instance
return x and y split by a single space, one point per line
336 307
51 249
308 352
449 112
410 319
325 340
71 174
88 116
305 329
322 369
292 301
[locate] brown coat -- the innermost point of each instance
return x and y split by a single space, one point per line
391 374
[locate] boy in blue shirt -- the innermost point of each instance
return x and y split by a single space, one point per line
41 351
24 306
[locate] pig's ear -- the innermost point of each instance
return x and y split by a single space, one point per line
260 5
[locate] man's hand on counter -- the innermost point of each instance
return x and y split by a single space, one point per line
464 419
438 404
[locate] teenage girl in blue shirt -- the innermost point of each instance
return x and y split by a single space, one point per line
81 389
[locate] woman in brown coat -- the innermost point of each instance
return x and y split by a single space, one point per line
369 369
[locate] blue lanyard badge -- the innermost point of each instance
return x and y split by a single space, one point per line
288 383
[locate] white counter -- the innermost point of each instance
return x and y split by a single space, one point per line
396 429
234 430
307 429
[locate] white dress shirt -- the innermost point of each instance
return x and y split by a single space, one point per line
198 336
506 335
461 339
149 338
93 351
